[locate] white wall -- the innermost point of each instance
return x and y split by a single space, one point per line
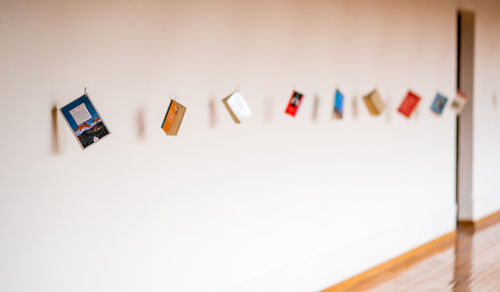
486 160
270 205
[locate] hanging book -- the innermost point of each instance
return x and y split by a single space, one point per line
294 103
338 106
237 107
173 118
409 104
374 103
86 124
439 103
459 102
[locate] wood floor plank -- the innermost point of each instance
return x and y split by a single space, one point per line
473 264
463 262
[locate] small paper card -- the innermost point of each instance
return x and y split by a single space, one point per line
294 103
84 121
338 106
409 104
439 103
459 102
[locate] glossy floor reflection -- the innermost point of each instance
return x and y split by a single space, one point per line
473 264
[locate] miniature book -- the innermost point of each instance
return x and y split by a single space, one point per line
409 104
237 107
173 118
374 103
459 102
294 103
83 119
439 103
338 106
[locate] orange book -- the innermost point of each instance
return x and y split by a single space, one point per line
173 118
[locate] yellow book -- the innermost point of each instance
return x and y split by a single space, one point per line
374 103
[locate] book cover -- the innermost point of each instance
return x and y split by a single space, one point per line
294 103
84 120
173 118
338 106
439 103
374 103
459 102
237 107
409 104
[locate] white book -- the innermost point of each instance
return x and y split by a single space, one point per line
237 107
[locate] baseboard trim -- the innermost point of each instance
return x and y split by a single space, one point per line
385 271
391 268
482 223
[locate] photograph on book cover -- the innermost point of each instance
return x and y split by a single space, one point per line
84 120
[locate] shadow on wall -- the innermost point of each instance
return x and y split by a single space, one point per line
268 109
315 111
355 107
388 114
141 124
212 114
55 145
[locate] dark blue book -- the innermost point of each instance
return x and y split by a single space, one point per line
84 120
439 103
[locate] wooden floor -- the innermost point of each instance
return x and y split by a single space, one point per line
471 264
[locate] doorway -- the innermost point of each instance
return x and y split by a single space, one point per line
464 123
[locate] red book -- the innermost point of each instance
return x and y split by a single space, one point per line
294 103
409 104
